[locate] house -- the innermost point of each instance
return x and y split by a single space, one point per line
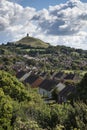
25 76
69 76
20 73
37 82
18 67
64 91
72 77
43 74
31 78
60 86
59 75
46 87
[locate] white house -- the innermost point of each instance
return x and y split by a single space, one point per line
46 87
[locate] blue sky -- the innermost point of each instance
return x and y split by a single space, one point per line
39 4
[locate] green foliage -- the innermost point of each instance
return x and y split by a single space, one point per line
23 113
55 94
77 117
69 117
12 87
27 125
6 111
82 89
18 112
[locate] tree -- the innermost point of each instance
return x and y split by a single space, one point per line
12 87
82 89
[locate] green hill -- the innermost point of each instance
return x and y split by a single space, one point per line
33 42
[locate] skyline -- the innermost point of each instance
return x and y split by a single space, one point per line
53 22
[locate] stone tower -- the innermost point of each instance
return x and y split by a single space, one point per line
27 35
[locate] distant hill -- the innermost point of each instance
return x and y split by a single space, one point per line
56 57
33 42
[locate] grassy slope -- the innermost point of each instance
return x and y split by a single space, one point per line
33 42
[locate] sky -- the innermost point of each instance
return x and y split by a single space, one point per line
59 22
39 4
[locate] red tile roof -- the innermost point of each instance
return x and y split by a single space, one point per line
37 82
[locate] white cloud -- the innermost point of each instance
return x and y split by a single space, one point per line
61 24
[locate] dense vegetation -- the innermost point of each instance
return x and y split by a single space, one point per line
51 58
81 93
22 108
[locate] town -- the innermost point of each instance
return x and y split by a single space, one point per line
52 70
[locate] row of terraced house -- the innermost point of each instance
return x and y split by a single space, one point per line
64 83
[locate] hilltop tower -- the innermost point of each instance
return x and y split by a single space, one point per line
27 34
